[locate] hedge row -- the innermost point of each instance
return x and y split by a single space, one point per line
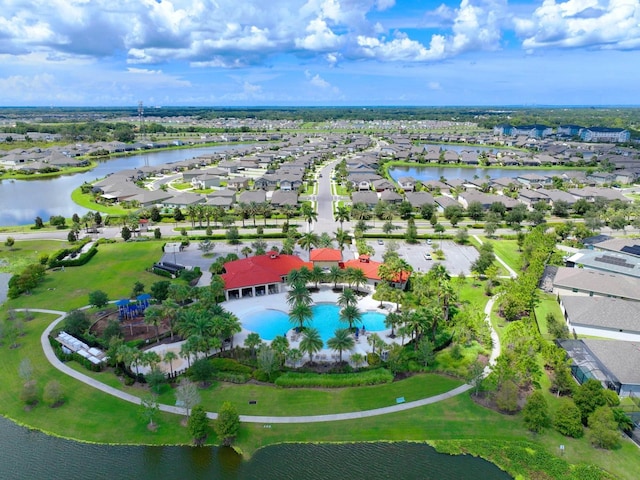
337 380
56 260
231 366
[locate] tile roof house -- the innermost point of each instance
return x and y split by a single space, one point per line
370 269
325 257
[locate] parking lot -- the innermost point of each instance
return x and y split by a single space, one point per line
458 258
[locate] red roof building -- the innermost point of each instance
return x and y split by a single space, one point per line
325 257
370 269
258 275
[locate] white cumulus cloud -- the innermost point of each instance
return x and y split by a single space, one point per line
606 24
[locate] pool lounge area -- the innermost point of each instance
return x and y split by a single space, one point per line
274 308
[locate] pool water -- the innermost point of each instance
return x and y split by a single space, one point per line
326 318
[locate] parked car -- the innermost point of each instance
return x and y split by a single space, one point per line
428 241
427 256
380 242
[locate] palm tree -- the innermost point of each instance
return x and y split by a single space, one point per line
252 341
153 315
300 314
308 240
342 214
334 275
342 237
357 359
357 277
288 211
217 213
254 209
341 341
266 210
311 342
309 214
360 211
200 213
325 240
280 345
299 294
242 210
347 298
300 275
373 339
317 275
246 251
351 314
391 321
192 213
170 356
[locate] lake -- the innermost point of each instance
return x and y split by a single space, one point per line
31 454
21 201
426 173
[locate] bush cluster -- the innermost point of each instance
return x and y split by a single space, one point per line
367 377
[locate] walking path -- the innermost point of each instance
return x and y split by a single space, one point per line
51 357
512 272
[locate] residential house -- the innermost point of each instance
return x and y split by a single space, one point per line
612 362
369 198
584 282
280 198
391 196
238 183
417 199
408 184
248 196
534 180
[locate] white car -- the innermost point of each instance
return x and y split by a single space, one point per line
428 241
427 256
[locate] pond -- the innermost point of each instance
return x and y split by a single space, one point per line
31 454
426 173
21 201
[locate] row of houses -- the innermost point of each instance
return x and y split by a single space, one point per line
599 295
527 189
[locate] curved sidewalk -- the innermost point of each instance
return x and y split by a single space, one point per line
51 357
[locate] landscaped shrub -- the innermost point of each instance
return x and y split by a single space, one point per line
231 377
368 377
231 366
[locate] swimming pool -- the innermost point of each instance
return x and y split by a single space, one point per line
326 318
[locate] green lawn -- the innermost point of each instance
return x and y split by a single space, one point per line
94 416
309 401
87 200
547 304
507 250
114 269
26 252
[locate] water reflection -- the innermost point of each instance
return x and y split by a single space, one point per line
34 455
21 201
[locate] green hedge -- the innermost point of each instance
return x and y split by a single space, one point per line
231 377
56 259
337 380
230 365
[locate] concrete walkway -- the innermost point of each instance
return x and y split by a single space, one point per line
51 357
512 272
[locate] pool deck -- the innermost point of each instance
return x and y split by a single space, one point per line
246 306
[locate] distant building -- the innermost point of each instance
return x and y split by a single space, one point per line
606 135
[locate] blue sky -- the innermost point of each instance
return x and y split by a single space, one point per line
319 52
